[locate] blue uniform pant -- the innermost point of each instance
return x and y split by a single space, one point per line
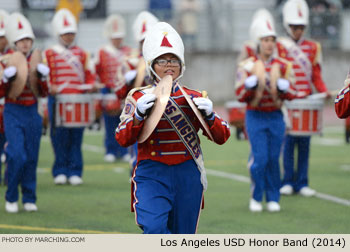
2 143
66 144
167 197
23 127
265 131
111 145
298 179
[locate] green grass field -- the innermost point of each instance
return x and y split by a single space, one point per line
102 203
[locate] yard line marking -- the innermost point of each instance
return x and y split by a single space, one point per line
246 179
232 176
56 230
237 177
333 199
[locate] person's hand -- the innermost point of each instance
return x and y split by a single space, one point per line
9 74
328 95
282 85
251 82
144 106
205 105
130 77
43 71
53 89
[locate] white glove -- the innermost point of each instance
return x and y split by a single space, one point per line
204 105
251 82
282 85
144 106
130 76
43 71
9 72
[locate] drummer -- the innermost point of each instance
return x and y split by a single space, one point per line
264 120
22 122
4 49
70 68
168 183
110 65
306 57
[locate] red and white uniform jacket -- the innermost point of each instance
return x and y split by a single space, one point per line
342 103
111 65
164 145
69 69
266 103
3 90
306 56
27 97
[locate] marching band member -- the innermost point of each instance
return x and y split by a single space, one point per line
22 122
4 49
110 65
264 121
70 72
168 184
306 57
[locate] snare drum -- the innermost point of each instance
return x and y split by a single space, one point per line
74 110
236 111
305 117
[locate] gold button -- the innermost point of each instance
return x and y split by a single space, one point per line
153 153
151 142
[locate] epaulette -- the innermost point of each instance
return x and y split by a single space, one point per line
246 61
132 91
191 89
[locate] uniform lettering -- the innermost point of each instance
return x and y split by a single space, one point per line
185 130
181 124
175 118
169 108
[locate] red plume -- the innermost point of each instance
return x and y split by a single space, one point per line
115 25
143 27
65 22
300 13
268 25
20 26
165 42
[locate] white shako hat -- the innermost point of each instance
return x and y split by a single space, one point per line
18 27
114 27
295 12
162 39
3 19
262 27
64 22
143 22
261 13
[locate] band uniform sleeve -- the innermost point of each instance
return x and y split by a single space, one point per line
90 76
243 95
342 103
220 130
43 85
126 133
316 69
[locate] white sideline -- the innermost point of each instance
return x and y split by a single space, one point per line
245 179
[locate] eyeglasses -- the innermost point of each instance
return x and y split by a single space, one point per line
297 27
164 62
